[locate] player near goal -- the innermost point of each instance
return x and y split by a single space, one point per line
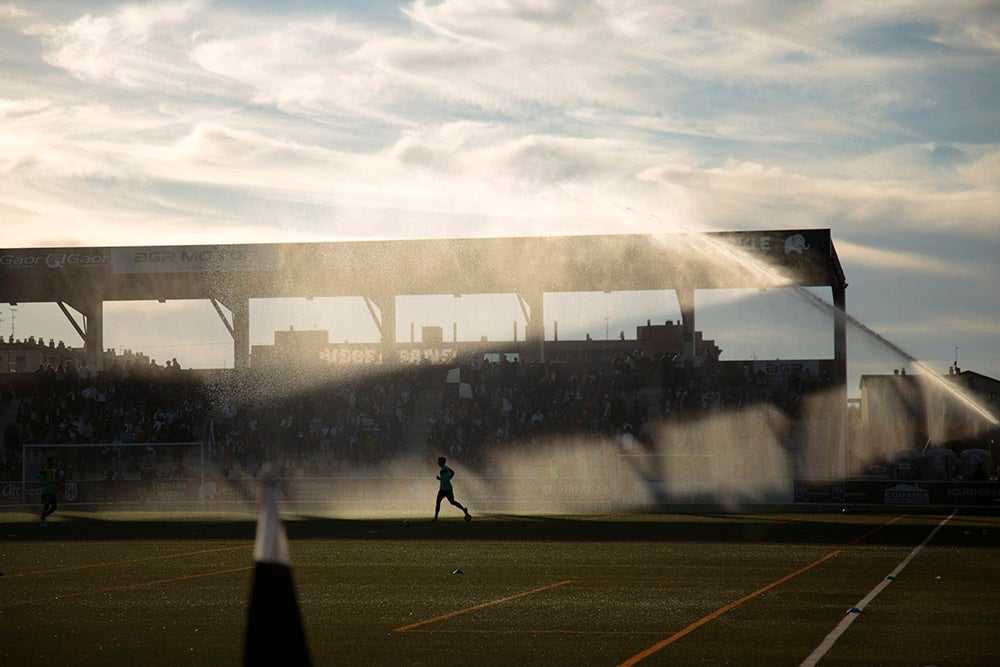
446 491
47 480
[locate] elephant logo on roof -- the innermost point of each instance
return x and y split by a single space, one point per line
796 243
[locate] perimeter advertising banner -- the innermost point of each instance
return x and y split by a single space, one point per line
372 491
108 491
898 493
196 259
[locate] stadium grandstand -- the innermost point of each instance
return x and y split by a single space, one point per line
665 411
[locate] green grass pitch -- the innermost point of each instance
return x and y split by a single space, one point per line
707 588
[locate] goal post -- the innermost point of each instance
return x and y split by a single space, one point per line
116 472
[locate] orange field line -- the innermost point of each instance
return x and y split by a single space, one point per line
52 598
541 632
405 628
736 603
122 562
874 530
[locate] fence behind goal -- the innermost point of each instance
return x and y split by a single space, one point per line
115 472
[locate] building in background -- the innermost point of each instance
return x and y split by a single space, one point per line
920 412
20 358
24 356
313 347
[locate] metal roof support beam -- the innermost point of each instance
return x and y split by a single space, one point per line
72 320
376 316
385 318
839 379
524 307
685 298
92 331
239 306
222 316
534 316
840 334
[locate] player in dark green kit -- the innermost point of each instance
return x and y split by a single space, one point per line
446 491
47 480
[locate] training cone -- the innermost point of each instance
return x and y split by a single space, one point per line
853 610
458 572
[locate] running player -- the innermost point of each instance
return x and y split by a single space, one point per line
446 491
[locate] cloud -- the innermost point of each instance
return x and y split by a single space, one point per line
742 195
12 11
982 170
898 260
931 327
130 46
202 122
302 67
597 116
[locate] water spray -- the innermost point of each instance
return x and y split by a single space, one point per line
772 274
950 388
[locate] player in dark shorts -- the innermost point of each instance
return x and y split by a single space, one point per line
446 491
47 480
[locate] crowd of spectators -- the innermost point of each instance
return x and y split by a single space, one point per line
128 403
702 384
310 427
510 402
304 424
310 424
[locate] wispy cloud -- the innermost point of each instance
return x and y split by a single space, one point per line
931 327
132 46
212 122
13 11
897 260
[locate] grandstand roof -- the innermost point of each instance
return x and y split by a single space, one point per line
619 262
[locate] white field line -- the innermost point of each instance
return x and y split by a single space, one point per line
835 634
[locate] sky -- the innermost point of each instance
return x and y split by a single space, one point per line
170 123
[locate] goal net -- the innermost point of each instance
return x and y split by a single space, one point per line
117 472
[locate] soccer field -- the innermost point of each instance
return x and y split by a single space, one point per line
680 589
